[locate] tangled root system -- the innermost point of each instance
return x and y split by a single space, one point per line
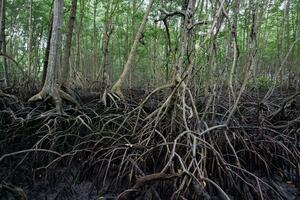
173 146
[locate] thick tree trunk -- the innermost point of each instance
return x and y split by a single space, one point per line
50 87
118 85
67 50
55 43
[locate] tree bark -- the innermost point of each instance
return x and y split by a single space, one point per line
107 32
51 79
50 87
68 43
95 52
47 50
234 45
105 50
3 41
78 35
30 39
118 85
252 62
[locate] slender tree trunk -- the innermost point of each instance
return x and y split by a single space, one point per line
118 85
133 29
68 43
37 51
105 50
186 36
78 35
1 22
95 38
167 48
211 56
47 50
108 30
3 41
30 39
252 60
234 46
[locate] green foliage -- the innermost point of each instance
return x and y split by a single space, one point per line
262 82
275 33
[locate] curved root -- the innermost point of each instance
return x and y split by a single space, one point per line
17 192
57 95
110 97
2 94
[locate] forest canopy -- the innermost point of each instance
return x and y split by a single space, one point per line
104 32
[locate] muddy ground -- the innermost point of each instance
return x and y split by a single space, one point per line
92 153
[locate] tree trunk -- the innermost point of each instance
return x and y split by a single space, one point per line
252 60
118 85
47 50
108 30
3 41
68 43
30 39
105 51
95 53
51 79
78 35
234 45
50 87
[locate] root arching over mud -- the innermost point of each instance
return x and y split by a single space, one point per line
169 145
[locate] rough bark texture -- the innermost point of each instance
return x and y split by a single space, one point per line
105 50
47 50
55 43
50 86
188 7
117 86
67 51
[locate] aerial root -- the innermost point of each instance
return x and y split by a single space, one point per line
116 145
109 98
2 94
68 97
283 105
57 95
16 192
142 181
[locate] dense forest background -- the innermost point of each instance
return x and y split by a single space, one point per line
104 32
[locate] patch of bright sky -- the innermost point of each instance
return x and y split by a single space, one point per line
283 5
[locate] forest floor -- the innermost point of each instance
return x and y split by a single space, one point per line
106 152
